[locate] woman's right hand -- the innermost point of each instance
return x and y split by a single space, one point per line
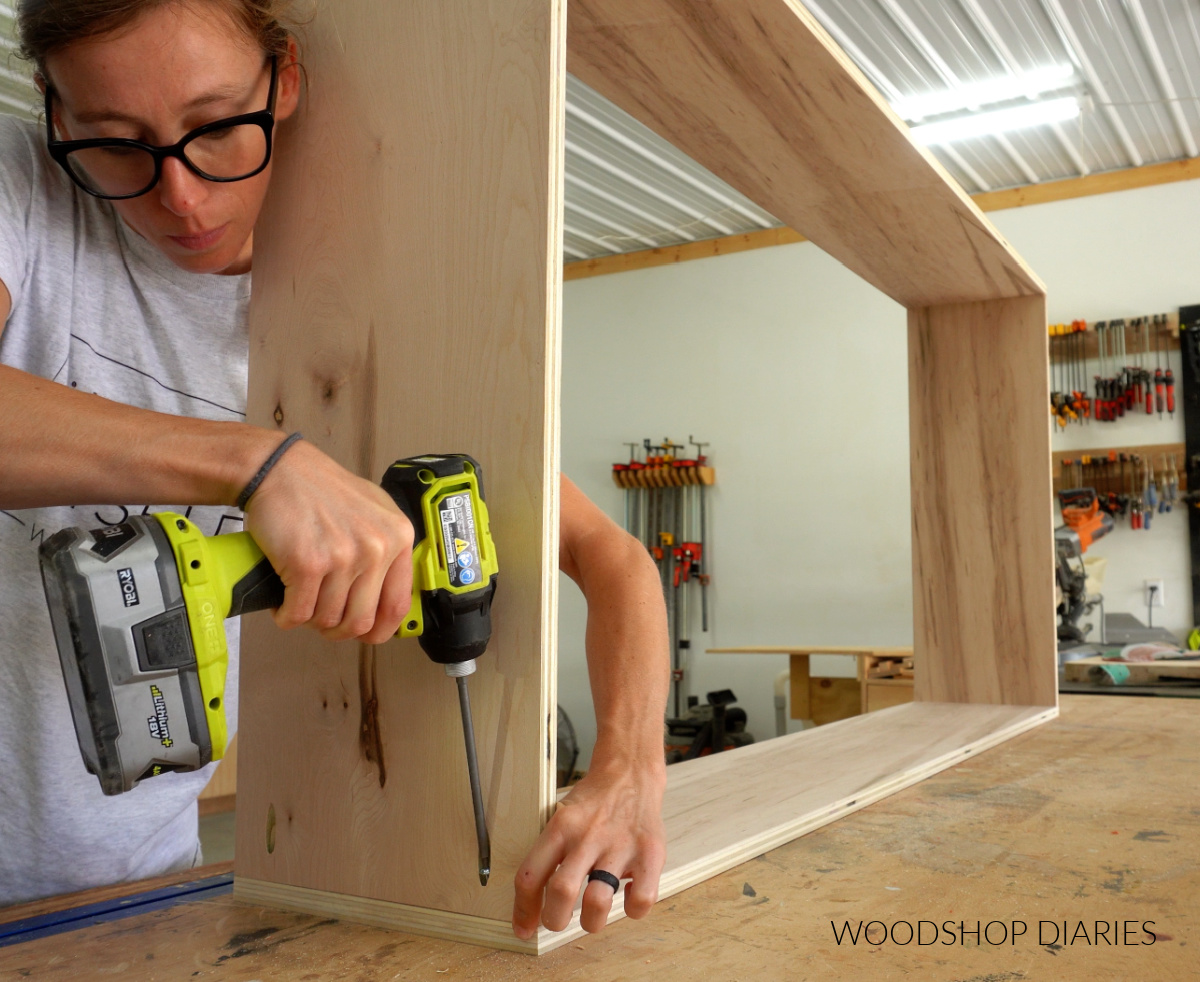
339 543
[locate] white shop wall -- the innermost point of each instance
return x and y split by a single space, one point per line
796 372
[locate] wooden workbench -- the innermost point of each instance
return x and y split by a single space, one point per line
824 700
1090 817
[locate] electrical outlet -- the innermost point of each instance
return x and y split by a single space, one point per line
1154 594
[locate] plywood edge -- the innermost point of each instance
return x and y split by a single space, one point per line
552 421
216 804
384 913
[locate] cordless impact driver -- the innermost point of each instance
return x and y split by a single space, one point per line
138 611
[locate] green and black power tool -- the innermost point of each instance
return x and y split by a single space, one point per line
138 611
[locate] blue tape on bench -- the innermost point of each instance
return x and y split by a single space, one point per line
60 921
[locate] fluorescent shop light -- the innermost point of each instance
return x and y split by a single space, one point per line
975 95
996 121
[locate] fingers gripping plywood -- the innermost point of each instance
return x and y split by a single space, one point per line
983 552
406 276
757 92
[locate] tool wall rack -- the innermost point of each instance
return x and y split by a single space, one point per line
407 274
1101 465
1169 329
1109 370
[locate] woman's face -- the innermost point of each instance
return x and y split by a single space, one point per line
177 67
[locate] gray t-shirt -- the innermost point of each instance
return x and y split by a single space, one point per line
98 308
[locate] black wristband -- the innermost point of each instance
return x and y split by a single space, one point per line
243 499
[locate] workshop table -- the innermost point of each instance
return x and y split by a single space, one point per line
826 700
1092 817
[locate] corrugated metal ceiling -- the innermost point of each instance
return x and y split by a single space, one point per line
1135 67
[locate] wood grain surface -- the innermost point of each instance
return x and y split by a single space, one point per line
1088 818
758 93
983 552
406 300
723 809
223 783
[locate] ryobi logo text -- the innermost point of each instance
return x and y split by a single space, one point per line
160 728
129 592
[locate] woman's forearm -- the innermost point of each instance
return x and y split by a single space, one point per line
626 641
628 659
62 447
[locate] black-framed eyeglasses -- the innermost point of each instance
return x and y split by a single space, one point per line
224 150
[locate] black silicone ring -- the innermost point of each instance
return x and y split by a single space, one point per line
604 876
257 479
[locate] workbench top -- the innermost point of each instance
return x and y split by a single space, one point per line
1092 817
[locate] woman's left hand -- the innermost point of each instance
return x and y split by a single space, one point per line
611 820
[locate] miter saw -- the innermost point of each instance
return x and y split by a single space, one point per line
1083 523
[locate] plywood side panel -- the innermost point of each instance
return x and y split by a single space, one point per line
224 780
758 93
983 552
406 277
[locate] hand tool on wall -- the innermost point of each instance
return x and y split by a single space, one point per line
1159 396
1169 376
1146 378
625 476
1151 491
138 611
700 559
1136 364
1079 379
1116 333
1104 409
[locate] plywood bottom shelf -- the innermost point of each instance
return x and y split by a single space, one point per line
724 809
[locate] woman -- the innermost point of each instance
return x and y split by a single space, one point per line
124 281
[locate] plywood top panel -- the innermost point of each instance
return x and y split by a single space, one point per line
758 93
405 301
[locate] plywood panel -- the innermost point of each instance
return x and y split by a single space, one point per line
759 94
223 783
983 554
406 276
726 808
